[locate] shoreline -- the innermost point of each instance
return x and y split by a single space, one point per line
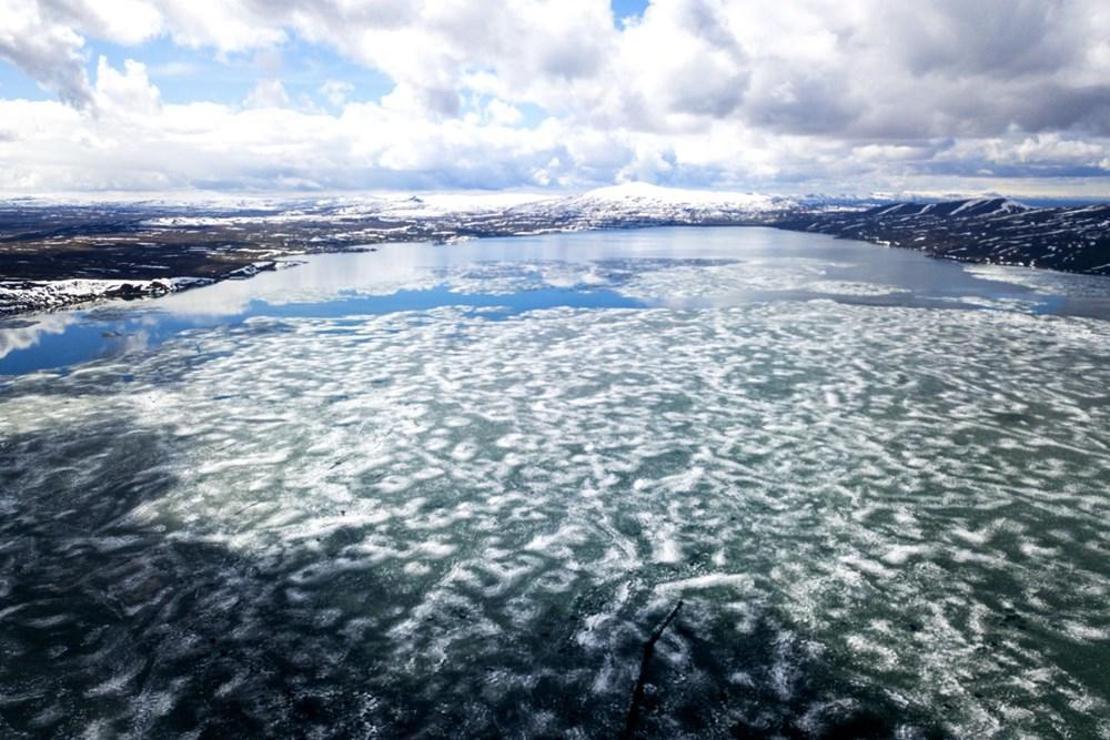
21 297
67 255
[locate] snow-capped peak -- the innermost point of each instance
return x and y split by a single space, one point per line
984 206
643 193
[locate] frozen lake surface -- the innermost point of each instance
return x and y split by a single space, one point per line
450 491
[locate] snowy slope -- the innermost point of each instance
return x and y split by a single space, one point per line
632 204
990 230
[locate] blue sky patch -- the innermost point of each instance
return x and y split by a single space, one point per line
628 8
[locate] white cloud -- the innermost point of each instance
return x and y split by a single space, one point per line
129 92
756 93
336 92
267 94
502 114
120 21
50 53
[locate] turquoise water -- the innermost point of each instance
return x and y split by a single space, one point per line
450 491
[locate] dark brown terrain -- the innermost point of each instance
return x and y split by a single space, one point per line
134 250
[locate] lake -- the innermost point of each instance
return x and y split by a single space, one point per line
451 490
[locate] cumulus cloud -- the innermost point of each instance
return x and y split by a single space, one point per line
336 92
751 93
49 52
267 94
127 91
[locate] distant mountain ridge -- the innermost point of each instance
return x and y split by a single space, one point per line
992 230
641 204
973 207
54 254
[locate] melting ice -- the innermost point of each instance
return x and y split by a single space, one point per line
884 508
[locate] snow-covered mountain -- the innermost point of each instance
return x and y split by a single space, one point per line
618 205
961 208
994 230
639 204
57 254
642 200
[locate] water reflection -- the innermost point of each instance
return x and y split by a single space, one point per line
465 520
615 269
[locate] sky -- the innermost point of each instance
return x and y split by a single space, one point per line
853 97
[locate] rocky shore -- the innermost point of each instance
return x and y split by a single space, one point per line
54 255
